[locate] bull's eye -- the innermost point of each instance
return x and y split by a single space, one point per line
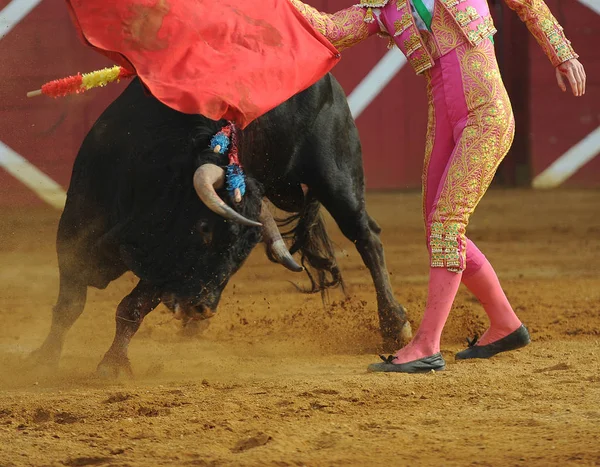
205 229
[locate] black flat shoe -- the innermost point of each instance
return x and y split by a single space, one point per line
423 365
515 340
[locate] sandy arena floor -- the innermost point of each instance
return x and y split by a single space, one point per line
279 380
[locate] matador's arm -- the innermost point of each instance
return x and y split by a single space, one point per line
545 28
343 29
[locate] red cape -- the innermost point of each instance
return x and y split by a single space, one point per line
233 59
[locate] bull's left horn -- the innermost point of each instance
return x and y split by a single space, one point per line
207 179
274 241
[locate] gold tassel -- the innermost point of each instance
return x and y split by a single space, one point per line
369 18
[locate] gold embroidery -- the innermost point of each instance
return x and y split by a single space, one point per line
373 3
462 18
412 44
402 24
483 144
400 5
448 35
564 52
420 62
554 38
450 3
545 28
343 29
483 31
369 5
430 44
546 25
472 12
473 36
429 141
444 245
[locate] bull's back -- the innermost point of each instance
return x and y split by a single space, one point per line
312 131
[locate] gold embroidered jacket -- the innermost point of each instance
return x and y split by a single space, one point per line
471 21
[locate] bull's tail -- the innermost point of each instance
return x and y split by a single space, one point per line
309 237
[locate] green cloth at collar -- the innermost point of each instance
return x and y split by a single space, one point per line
423 12
425 15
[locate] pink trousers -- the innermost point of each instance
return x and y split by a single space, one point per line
470 130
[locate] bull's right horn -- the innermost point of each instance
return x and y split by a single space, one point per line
274 241
207 179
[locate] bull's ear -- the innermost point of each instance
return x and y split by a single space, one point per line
205 229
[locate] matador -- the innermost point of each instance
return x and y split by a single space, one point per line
470 130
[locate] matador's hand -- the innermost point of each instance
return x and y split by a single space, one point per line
574 72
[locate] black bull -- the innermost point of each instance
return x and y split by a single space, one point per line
133 204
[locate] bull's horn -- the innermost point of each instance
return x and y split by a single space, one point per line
274 241
207 179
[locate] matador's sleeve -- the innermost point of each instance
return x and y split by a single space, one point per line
343 29
545 28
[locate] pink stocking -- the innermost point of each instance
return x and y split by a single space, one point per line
484 284
443 286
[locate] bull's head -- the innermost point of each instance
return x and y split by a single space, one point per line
227 244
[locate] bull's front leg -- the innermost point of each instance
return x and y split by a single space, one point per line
343 196
130 314
393 321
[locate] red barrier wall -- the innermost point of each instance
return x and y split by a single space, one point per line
559 120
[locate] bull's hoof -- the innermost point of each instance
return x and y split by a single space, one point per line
406 334
396 331
114 367
194 328
46 356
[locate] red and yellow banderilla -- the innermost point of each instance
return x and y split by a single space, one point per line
82 82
